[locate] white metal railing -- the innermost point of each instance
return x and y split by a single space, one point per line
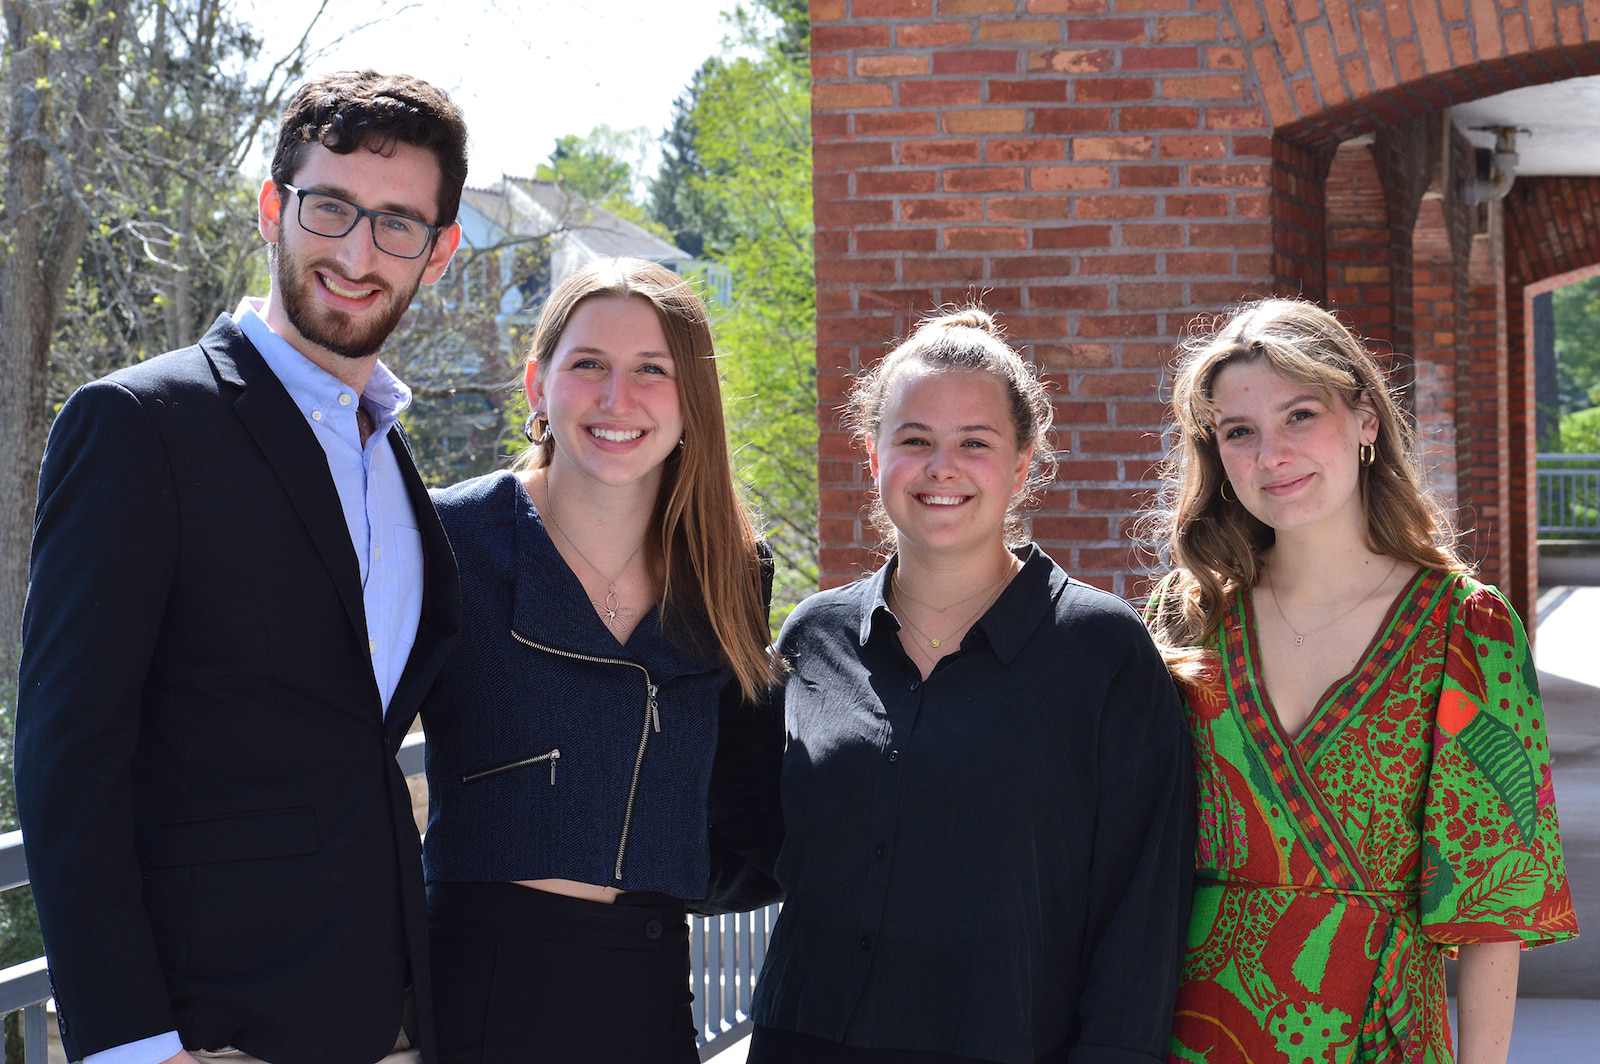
725 954
1569 494
24 986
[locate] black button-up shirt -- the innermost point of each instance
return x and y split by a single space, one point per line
992 862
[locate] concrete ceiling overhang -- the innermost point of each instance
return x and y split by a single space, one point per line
1558 126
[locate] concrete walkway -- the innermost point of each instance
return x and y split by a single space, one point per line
1558 1011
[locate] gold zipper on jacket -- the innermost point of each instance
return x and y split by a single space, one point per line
652 720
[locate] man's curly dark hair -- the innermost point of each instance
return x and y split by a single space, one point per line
364 109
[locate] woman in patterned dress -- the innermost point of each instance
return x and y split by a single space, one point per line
1373 769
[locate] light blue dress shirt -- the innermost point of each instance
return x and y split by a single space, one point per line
383 526
383 531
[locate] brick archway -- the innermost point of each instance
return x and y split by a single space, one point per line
1552 235
1102 170
1353 66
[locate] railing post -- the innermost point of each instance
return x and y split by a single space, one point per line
697 973
35 1038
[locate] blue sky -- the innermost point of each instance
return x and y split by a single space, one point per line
524 72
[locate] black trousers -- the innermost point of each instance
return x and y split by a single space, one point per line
522 975
771 1045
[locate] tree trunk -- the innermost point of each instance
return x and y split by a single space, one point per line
43 226
23 367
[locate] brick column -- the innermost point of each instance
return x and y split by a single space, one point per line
1482 410
1438 320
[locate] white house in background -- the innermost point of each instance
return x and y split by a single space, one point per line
519 208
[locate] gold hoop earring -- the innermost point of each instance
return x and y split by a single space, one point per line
1223 491
1367 453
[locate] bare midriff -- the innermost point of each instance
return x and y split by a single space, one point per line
573 889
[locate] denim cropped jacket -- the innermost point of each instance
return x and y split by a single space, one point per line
553 750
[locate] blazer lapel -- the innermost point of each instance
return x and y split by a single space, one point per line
285 439
440 622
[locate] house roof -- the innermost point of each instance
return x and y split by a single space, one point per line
529 207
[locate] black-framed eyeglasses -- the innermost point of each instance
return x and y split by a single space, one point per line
395 234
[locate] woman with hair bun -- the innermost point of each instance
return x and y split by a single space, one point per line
1374 778
986 798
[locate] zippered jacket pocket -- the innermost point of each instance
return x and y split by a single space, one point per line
552 756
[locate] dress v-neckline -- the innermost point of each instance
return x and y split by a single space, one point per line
1342 696
1290 759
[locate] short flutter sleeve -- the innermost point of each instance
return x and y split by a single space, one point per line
1492 868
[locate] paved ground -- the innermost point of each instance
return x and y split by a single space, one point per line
1558 1014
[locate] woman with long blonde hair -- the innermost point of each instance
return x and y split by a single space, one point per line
614 600
1374 781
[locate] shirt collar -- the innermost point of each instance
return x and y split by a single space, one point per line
1008 623
312 387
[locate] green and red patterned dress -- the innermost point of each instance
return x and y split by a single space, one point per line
1334 870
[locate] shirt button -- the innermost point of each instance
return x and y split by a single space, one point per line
316 415
915 684
344 398
372 646
866 941
894 755
882 850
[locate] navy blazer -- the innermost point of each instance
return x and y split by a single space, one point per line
219 838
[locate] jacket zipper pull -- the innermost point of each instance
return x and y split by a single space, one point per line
655 713
555 755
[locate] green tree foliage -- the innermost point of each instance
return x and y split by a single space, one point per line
675 200
125 226
1580 431
57 70
1577 319
603 168
747 192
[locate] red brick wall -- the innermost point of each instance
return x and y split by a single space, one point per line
1094 175
1099 171
1360 255
1299 216
1346 67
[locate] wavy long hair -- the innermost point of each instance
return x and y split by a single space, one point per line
1212 541
967 338
703 545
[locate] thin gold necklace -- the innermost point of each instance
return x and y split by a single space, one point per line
900 589
1299 637
611 608
993 593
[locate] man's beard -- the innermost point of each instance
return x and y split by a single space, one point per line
334 330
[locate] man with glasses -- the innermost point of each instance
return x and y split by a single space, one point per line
239 595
